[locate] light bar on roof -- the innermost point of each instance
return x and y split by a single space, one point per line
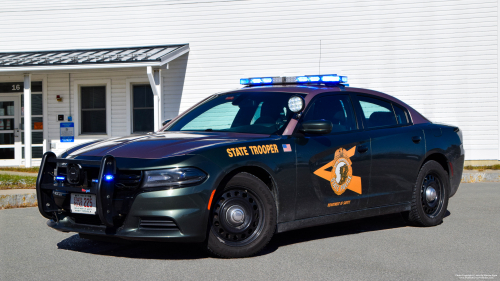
260 80
323 79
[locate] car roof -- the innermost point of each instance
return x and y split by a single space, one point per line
312 90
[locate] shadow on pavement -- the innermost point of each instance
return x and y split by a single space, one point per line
335 230
134 249
176 251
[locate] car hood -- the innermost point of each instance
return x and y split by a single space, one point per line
159 145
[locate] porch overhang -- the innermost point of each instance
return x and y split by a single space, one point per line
152 56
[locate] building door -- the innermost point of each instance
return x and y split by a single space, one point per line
10 137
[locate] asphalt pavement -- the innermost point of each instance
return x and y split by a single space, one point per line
465 245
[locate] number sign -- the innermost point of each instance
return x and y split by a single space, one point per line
18 87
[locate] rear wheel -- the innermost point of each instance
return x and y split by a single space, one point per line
430 196
242 218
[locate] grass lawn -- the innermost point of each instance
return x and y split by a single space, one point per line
18 169
482 168
17 182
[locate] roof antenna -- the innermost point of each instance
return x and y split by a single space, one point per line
319 57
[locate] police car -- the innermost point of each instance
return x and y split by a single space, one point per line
282 153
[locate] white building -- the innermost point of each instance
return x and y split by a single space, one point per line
441 57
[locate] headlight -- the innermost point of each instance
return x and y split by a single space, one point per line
172 177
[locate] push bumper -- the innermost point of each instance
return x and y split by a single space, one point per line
177 215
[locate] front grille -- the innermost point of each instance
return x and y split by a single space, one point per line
83 177
77 175
157 223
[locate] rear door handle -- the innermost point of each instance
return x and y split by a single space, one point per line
362 149
416 139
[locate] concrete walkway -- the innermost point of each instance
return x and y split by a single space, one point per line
17 191
18 173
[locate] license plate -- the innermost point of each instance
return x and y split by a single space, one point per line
83 203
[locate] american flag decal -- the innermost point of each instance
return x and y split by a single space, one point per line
287 148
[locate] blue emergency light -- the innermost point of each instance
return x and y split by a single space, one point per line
59 178
259 80
109 177
324 79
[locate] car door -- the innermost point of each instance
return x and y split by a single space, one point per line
333 170
397 149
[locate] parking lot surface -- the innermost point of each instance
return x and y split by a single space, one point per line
380 248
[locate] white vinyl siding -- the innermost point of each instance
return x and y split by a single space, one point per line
440 57
58 84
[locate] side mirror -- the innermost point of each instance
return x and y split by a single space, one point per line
316 127
165 122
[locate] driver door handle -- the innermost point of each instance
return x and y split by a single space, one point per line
362 148
416 139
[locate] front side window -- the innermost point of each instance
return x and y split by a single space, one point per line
93 109
336 109
253 113
143 109
377 113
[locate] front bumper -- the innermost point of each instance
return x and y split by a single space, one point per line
184 207
177 215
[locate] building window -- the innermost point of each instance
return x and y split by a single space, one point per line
93 110
143 109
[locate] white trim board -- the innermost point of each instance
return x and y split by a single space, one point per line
46 140
22 69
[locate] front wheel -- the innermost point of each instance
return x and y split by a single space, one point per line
430 196
242 218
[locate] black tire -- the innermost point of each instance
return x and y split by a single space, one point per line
242 218
430 196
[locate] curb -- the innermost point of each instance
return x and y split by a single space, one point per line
18 198
471 177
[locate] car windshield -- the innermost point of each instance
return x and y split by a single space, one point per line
253 113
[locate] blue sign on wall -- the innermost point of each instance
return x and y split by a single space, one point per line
67 132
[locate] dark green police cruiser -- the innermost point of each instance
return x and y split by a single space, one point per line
280 154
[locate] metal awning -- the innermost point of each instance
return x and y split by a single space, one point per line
91 58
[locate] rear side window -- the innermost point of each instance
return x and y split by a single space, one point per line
377 113
401 116
337 109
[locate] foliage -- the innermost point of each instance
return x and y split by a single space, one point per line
482 168
19 169
17 182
